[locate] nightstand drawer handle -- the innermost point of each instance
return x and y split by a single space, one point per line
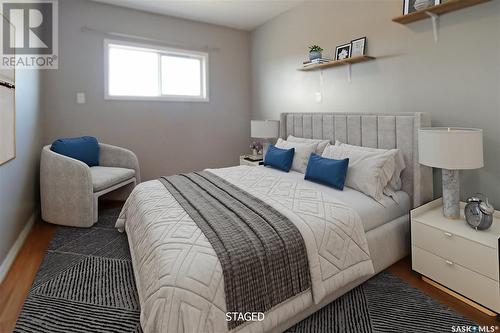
449 262
448 234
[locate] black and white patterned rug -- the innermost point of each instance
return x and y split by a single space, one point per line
86 284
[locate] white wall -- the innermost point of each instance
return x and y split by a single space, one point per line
168 137
19 177
457 80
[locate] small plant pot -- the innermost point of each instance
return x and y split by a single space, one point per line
255 152
314 55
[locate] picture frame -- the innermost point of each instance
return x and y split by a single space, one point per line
343 51
7 109
409 5
358 47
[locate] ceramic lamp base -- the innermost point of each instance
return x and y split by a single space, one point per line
451 194
265 147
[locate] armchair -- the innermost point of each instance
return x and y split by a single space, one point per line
70 189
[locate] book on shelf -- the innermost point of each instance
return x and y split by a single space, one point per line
316 61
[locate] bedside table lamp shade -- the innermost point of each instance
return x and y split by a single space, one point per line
451 149
264 129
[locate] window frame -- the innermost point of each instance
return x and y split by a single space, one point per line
161 51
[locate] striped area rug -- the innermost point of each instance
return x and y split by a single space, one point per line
86 284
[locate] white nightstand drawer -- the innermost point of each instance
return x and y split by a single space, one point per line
470 284
469 254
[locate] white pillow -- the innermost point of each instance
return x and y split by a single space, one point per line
399 160
368 172
321 143
302 153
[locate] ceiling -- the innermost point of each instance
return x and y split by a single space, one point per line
239 14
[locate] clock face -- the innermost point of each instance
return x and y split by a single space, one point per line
473 214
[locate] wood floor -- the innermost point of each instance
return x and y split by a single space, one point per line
18 281
402 269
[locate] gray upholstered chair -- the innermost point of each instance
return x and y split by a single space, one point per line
70 188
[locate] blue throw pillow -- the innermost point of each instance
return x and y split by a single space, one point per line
327 171
279 158
85 149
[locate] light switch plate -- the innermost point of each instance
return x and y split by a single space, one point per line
319 97
80 98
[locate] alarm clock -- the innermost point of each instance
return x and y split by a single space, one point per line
479 212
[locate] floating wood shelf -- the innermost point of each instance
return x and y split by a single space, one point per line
446 7
335 63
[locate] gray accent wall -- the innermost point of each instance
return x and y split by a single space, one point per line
19 177
456 80
168 137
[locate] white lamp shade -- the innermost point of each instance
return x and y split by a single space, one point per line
265 129
451 148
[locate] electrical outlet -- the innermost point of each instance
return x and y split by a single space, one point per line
80 98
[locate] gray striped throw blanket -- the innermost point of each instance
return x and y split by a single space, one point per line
262 253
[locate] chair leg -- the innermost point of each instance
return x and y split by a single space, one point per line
95 209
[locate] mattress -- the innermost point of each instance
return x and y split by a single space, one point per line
172 258
373 213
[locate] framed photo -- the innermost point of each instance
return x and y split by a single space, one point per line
343 52
7 109
358 47
411 6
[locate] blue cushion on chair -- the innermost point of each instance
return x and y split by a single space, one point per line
85 149
279 158
327 171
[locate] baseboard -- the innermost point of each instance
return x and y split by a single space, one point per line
14 250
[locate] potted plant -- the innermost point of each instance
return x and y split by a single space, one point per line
315 52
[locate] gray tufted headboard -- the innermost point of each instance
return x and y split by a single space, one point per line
375 130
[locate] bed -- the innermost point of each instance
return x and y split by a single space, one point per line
179 277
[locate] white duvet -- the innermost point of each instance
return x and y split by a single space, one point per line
178 275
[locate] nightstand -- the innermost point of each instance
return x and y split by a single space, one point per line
456 258
244 161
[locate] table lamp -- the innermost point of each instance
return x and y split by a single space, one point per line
265 129
451 149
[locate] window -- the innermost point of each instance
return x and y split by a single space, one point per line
141 72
